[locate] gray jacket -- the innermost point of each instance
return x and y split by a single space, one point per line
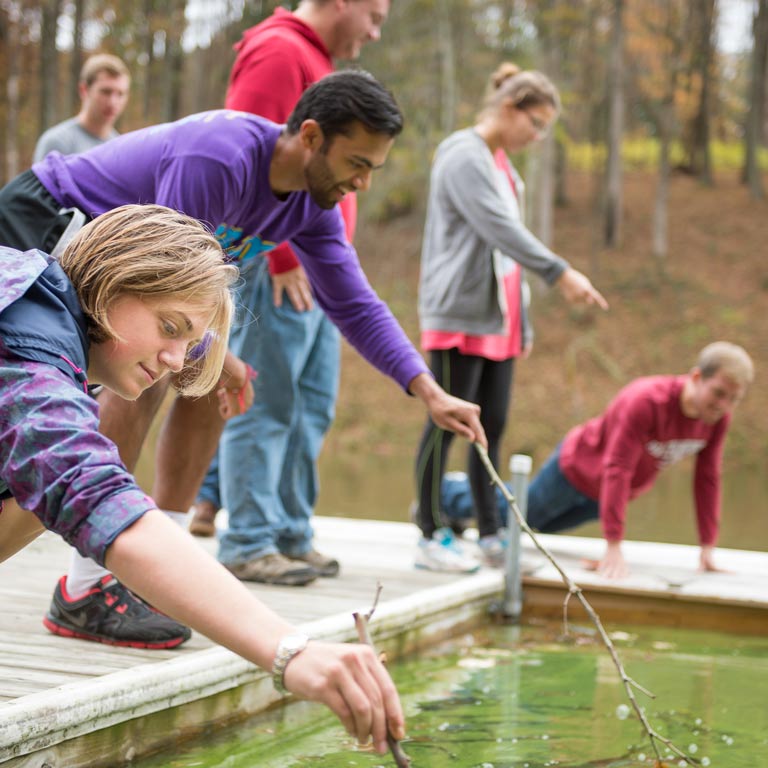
469 228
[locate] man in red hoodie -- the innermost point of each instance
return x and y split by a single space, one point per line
266 469
652 422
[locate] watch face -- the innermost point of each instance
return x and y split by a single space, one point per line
294 643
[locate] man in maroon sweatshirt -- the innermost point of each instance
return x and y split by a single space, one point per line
267 474
652 422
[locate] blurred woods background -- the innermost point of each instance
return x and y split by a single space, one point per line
648 76
651 181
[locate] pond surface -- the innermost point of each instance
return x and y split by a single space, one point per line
523 697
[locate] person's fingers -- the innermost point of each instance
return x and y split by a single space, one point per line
277 293
298 290
368 710
466 424
371 698
336 702
305 288
296 298
612 570
221 396
393 711
597 298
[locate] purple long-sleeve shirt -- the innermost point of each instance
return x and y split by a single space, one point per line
53 459
214 166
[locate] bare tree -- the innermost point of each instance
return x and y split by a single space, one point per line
76 59
756 114
148 45
49 69
551 37
613 192
14 11
702 30
448 85
174 61
655 67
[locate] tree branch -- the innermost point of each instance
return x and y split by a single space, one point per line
361 625
575 590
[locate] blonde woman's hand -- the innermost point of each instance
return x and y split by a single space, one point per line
351 681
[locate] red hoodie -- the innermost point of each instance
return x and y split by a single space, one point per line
616 456
276 62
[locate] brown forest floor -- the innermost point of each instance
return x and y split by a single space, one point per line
713 286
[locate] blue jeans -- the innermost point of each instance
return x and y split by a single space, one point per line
268 456
553 503
456 498
210 489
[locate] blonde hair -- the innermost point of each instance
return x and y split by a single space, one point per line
150 251
102 62
729 359
525 88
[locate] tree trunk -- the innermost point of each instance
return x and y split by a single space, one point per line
148 44
447 67
613 194
76 60
49 69
665 126
12 90
174 62
661 206
754 127
552 38
700 163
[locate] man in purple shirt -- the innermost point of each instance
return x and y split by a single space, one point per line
255 184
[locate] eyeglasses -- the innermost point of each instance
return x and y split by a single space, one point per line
541 127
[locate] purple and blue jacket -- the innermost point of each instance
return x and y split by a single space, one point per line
53 460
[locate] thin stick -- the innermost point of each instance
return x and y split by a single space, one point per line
361 625
574 589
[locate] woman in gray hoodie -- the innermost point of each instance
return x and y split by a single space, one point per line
470 293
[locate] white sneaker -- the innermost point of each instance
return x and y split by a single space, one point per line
444 553
494 548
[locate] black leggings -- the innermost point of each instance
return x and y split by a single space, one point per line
489 384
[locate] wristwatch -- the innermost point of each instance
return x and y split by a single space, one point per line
288 647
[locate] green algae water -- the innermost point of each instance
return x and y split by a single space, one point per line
524 697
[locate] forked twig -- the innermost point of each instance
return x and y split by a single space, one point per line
361 625
574 589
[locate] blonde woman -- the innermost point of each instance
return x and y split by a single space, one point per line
140 294
470 305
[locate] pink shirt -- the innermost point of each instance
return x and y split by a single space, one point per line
615 457
492 346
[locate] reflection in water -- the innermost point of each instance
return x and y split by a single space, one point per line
513 697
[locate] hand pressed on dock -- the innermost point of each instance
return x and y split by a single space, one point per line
613 565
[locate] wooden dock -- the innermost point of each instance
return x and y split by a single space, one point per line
78 704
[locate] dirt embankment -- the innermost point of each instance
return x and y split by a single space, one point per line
714 285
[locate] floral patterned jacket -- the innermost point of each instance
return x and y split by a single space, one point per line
53 460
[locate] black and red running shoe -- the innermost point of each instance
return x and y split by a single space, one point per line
110 613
